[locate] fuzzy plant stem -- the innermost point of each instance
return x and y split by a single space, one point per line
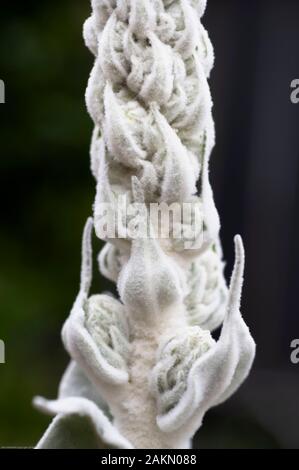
148 359
135 410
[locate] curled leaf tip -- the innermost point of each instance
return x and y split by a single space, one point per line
236 283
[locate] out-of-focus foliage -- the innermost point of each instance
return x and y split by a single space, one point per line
46 194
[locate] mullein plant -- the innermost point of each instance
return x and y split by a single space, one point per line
144 367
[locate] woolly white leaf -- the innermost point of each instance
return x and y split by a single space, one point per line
207 297
158 85
96 358
74 383
199 102
142 17
211 216
189 36
96 151
112 61
90 35
174 362
102 9
110 263
118 137
105 206
94 94
200 5
180 174
221 370
79 424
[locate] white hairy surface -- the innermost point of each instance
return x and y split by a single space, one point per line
149 356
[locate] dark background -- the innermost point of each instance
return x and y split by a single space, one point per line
47 192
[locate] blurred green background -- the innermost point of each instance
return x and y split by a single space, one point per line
47 192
